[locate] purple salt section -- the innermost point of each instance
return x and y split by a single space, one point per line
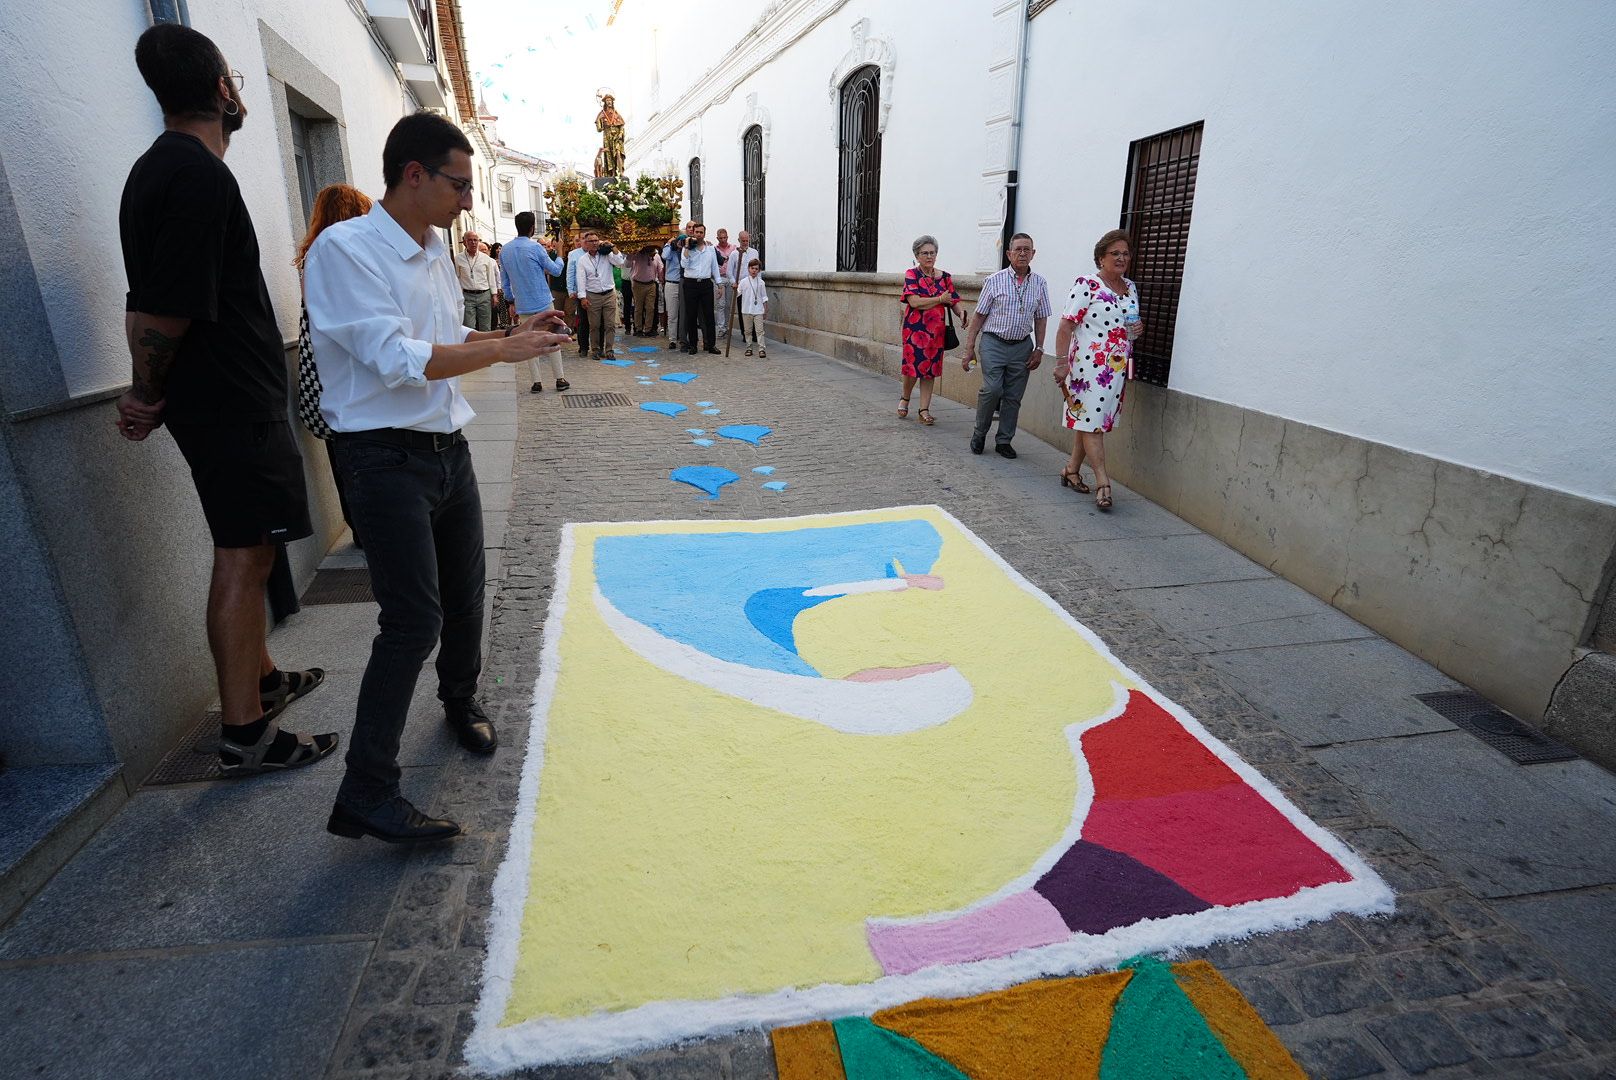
1022 921
1096 889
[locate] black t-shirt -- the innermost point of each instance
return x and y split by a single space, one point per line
189 251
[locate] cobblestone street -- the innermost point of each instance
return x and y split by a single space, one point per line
1495 963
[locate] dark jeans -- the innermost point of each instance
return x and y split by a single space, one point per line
422 521
625 304
698 300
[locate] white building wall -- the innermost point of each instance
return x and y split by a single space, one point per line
77 115
1403 225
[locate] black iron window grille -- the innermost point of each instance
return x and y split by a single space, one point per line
858 204
429 28
1156 201
695 189
752 187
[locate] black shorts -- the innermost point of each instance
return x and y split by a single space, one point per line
250 480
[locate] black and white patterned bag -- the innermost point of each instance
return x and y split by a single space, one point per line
308 382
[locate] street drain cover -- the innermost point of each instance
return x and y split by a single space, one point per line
345 586
195 759
1495 727
594 401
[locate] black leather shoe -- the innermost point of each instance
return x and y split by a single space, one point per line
977 444
395 821
536 388
471 726
1005 450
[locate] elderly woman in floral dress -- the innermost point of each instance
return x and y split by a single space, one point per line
1095 344
926 290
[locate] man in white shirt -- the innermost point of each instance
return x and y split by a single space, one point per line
698 267
478 278
596 291
384 309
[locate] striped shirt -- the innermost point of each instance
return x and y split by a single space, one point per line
1010 305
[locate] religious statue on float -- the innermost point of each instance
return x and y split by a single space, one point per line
610 160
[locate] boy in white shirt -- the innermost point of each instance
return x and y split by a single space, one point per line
754 308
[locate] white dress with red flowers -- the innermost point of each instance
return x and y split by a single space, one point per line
1099 355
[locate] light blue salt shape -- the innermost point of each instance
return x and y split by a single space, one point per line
680 376
709 412
666 408
643 348
704 404
775 485
618 363
708 478
696 430
764 470
702 442
751 433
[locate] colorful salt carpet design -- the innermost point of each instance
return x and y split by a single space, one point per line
807 768
1145 1022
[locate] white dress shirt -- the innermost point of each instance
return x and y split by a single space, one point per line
699 263
595 272
754 294
377 303
735 270
476 272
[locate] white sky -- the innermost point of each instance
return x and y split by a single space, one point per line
537 65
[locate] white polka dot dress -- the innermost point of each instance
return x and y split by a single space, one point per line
1099 354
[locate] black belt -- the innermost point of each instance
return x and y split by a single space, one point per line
1008 341
435 441
473 292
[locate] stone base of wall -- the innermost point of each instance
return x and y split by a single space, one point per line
1492 580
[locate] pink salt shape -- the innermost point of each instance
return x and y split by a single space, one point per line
1023 920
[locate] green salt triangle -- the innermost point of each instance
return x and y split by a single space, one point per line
871 1052
1157 1033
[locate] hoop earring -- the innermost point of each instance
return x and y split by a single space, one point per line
234 109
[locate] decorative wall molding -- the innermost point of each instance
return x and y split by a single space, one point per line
755 114
866 50
782 24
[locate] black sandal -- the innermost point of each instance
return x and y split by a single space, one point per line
1074 480
563 384
238 760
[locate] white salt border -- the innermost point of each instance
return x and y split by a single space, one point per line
493 1049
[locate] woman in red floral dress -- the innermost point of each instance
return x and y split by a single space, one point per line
925 290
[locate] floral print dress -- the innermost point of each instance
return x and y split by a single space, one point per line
923 330
1100 353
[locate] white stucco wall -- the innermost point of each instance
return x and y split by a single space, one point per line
80 115
1404 226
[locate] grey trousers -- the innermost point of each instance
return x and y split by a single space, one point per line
479 309
676 311
1004 381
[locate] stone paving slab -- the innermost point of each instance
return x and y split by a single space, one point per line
1225 615
1151 562
1338 691
1578 929
201 864
1503 828
194 1016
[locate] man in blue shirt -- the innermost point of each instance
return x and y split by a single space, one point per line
523 264
576 315
672 274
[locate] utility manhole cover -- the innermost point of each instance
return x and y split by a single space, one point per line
195 759
346 586
1495 727
594 401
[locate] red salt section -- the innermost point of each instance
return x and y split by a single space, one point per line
1163 798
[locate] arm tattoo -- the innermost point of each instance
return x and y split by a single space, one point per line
150 384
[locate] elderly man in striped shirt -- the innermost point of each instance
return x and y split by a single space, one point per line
1012 311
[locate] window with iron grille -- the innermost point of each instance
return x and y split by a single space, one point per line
858 203
1157 197
752 187
695 190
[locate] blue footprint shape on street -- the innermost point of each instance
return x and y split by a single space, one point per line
749 433
764 470
680 376
709 412
775 485
643 348
618 363
708 478
704 404
666 408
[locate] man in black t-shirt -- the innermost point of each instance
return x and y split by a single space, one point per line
207 361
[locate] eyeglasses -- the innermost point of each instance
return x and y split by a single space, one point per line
461 184
237 79
1123 254
925 253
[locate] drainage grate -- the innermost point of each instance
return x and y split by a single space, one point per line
594 401
1496 728
195 759
346 586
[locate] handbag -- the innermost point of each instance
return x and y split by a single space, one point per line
950 338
